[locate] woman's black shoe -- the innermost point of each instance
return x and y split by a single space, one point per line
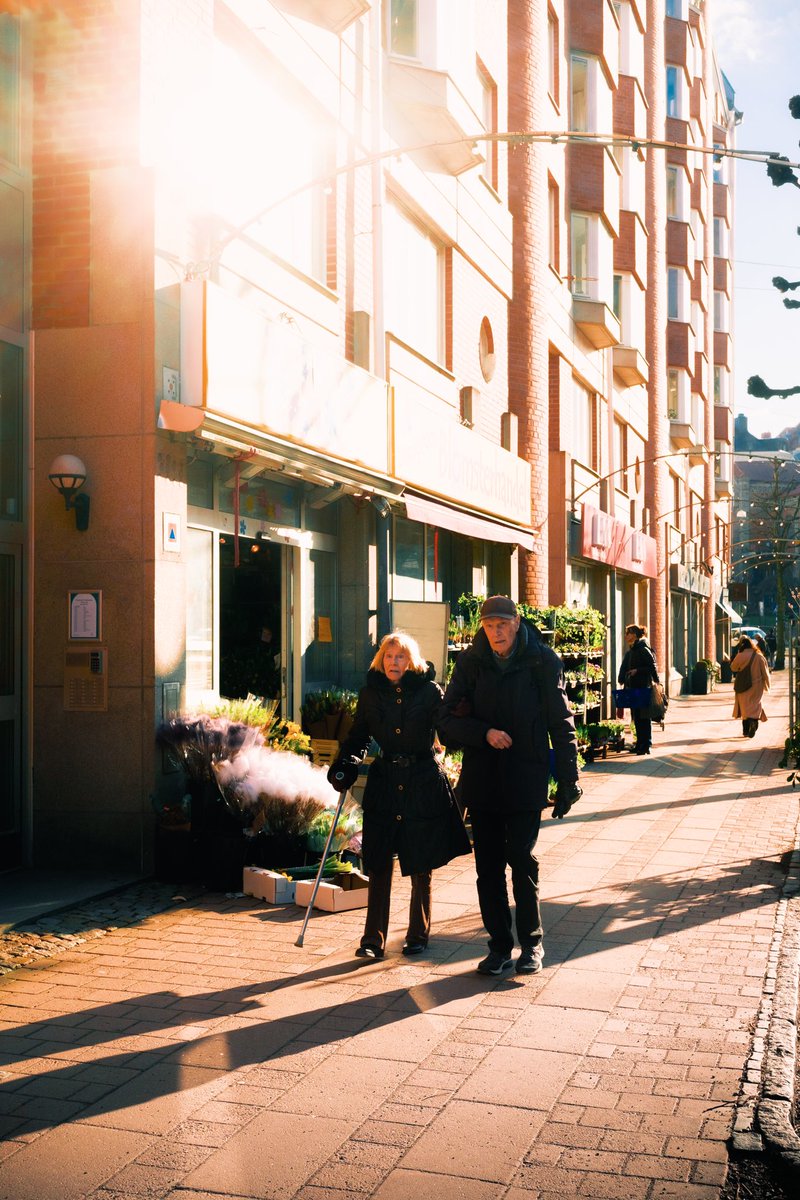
369 952
414 947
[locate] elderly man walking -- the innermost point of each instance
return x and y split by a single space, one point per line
505 704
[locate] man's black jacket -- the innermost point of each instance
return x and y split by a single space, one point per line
527 700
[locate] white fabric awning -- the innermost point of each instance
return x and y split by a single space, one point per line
723 606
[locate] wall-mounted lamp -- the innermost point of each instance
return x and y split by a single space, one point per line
68 475
381 506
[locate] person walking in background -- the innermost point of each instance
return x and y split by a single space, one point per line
750 681
505 704
638 670
763 649
409 807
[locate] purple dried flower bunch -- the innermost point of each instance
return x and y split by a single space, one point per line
195 743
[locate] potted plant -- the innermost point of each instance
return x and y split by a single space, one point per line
705 673
328 713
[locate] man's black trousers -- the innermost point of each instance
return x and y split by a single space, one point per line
501 839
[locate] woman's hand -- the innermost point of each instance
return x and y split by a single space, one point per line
498 739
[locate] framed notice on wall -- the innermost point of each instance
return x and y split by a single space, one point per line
85 616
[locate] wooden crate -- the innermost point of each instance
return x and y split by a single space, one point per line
324 751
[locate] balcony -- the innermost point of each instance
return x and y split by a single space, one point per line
677 43
722 202
596 322
437 112
630 366
682 434
680 345
594 30
680 245
700 284
723 356
723 488
722 275
697 102
594 183
700 376
678 131
630 108
699 190
334 15
723 424
630 247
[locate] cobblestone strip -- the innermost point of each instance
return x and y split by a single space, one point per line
57 932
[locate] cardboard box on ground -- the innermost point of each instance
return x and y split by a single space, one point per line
348 891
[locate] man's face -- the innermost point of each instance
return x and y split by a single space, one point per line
501 632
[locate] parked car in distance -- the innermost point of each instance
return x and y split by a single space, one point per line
751 631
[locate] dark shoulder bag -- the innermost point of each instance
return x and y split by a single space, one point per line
743 680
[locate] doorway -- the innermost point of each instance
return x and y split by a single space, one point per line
252 620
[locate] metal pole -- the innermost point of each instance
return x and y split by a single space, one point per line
322 862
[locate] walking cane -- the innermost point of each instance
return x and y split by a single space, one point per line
323 860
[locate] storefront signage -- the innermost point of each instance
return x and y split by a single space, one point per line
689 579
439 456
268 374
607 540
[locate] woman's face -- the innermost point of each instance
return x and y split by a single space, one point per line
630 637
395 662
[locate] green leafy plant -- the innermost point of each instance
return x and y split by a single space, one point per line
711 668
791 755
328 702
278 733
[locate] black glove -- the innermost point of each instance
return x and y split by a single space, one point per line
566 795
342 775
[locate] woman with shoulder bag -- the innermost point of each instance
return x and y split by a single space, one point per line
409 807
638 670
750 681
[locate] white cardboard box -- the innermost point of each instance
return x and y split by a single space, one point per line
268 885
350 892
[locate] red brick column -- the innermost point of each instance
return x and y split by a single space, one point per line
527 340
656 472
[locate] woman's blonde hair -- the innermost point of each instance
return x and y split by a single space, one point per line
416 660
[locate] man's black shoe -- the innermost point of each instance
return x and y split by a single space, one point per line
414 947
530 961
495 964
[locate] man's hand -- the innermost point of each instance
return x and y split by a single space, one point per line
498 739
566 795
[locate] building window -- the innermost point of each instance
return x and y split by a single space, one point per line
9 88
673 207
616 302
720 312
404 28
719 170
674 8
621 457
553 226
489 114
584 441
200 620
579 94
673 294
673 92
415 284
720 241
552 55
673 394
486 352
579 254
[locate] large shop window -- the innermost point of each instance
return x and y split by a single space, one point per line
10 432
421 557
403 28
320 664
199 612
415 284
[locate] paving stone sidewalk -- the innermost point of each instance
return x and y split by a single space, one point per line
196 1052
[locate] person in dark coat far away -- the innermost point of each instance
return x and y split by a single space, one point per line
638 670
505 704
409 807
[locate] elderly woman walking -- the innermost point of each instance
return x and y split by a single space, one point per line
409 807
750 681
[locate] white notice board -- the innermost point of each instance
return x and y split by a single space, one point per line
427 623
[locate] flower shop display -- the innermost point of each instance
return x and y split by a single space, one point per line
249 802
328 714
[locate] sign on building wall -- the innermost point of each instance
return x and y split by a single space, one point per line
607 540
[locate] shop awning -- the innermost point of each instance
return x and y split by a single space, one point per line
470 524
724 607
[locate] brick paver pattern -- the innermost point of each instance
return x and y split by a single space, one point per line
198 1053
